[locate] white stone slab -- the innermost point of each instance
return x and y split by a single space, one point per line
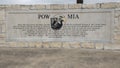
78 25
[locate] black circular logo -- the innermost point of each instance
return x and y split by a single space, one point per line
57 22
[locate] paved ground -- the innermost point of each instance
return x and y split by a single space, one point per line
58 58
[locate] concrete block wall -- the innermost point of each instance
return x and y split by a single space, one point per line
88 45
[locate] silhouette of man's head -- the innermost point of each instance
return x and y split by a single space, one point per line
80 1
57 22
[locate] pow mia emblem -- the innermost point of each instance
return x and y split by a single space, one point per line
57 22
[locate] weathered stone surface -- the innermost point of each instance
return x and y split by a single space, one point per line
3 6
117 12
90 6
3 40
116 29
116 41
38 44
18 7
48 7
118 5
66 45
32 45
66 6
88 45
38 7
22 44
2 27
12 44
13 7
112 46
3 45
35 44
55 44
25 7
75 6
116 22
45 45
55 6
2 36
2 15
74 45
109 5
117 36
99 46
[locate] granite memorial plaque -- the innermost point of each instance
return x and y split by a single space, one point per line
60 25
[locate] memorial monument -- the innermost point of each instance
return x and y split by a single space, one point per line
60 26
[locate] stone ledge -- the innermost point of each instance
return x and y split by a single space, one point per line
75 6
90 6
62 6
56 7
88 45
108 5
105 46
55 45
99 46
111 46
38 7
13 7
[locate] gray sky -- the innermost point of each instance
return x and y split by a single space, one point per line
52 1
37 1
99 1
